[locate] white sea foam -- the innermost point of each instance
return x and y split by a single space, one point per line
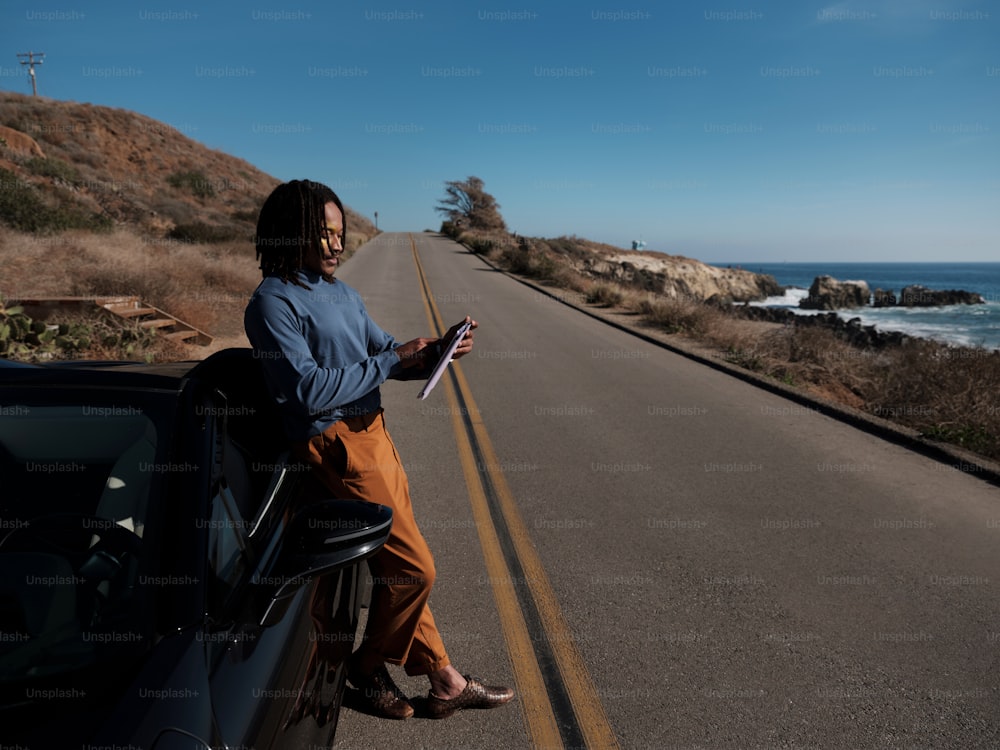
791 298
962 325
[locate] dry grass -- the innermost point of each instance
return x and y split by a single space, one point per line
675 315
605 294
946 393
206 286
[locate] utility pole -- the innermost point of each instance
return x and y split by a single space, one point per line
31 62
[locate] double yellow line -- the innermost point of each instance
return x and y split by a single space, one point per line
559 701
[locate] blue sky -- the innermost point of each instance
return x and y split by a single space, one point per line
723 130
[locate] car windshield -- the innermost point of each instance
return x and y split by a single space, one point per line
77 481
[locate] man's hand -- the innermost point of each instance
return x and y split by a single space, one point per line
466 344
420 353
423 353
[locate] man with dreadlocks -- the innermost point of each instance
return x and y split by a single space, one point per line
324 360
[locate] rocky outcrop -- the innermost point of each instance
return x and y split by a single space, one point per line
920 296
884 298
827 293
862 336
19 143
677 277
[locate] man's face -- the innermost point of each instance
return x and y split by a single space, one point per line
326 261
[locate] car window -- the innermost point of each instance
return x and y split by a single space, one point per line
227 555
79 482
229 527
81 458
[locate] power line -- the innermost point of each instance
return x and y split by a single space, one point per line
31 62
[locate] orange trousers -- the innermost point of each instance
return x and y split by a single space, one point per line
356 459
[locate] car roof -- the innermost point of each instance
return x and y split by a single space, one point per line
165 376
124 374
254 418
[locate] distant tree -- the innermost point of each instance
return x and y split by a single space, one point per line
470 205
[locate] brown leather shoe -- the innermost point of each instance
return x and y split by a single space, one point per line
380 693
475 695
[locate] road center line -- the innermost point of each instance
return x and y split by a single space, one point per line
560 703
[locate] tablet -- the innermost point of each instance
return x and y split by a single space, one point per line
442 364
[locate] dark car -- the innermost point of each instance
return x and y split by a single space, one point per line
168 574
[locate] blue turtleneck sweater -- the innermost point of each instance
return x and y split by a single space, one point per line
323 357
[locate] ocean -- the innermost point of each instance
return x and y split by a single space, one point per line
964 325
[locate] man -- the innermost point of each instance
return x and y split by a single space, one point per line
324 360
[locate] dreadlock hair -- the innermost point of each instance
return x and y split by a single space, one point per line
290 225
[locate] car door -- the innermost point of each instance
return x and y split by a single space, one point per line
279 685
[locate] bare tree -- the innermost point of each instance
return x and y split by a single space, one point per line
468 204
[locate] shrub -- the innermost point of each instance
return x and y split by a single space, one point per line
76 336
479 244
450 229
516 260
946 392
21 207
606 294
544 266
678 315
174 209
54 168
248 214
566 277
199 231
568 246
77 217
747 358
194 182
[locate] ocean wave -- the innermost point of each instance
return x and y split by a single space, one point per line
959 325
791 298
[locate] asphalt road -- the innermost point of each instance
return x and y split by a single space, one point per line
731 569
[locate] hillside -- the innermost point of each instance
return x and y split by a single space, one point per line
131 170
111 202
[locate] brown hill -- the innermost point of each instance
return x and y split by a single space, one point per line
120 168
96 201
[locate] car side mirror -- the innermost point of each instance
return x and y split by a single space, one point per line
324 537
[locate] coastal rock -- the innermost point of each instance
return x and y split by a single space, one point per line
916 295
827 293
884 298
19 143
677 277
861 336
